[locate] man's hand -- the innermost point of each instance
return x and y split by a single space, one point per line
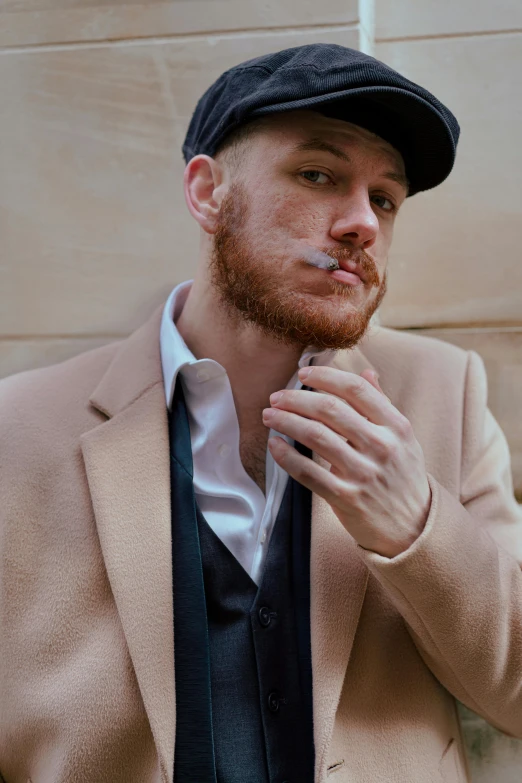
377 483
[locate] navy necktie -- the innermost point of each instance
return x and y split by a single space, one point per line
194 753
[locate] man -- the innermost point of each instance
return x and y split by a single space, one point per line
212 572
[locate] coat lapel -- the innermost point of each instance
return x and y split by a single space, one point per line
338 579
128 470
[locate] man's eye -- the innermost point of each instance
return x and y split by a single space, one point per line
384 203
313 176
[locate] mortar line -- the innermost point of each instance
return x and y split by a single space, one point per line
163 39
465 328
491 329
477 34
41 337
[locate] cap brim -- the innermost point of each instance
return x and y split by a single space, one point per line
407 121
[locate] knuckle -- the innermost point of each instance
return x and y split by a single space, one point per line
366 478
359 386
308 428
371 474
342 492
389 448
381 443
330 403
304 471
380 447
393 452
403 427
330 400
320 436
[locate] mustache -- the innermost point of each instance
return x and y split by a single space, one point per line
320 257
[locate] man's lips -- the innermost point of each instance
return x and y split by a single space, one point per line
353 267
323 259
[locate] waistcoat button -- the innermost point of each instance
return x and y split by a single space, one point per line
266 616
273 701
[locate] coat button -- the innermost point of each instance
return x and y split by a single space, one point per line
266 616
273 701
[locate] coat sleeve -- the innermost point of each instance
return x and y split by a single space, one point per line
459 585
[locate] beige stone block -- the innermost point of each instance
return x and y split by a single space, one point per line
407 18
502 355
25 354
456 254
94 226
60 21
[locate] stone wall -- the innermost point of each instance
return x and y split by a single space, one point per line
95 98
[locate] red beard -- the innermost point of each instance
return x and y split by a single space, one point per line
251 291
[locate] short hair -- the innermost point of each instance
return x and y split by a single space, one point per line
232 148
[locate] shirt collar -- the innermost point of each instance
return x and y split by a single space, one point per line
176 355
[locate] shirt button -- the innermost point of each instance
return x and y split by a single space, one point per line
202 375
263 537
224 450
273 701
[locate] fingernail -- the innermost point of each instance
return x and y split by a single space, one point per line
275 397
304 372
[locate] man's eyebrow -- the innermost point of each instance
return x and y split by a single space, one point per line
318 145
396 176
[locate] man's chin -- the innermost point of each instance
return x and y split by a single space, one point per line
320 334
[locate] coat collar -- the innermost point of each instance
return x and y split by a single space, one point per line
127 463
135 368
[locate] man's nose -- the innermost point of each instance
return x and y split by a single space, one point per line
357 223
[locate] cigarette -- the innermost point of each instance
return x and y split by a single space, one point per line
320 260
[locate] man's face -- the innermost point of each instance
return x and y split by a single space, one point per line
307 182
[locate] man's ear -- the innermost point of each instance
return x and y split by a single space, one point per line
204 188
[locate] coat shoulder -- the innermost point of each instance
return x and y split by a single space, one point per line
411 349
424 377
411 362
54 397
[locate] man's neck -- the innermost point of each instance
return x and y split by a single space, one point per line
256 364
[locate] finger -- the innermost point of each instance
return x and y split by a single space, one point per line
334 413
373 378
355 390
309 473
316 436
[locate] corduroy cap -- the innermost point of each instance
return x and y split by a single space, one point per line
338 82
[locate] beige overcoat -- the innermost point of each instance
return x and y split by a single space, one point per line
86 621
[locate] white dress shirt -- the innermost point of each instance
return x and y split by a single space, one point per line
232 503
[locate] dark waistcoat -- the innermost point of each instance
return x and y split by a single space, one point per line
242 653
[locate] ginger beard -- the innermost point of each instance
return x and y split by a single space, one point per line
257 289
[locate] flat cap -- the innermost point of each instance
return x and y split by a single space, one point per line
338 82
